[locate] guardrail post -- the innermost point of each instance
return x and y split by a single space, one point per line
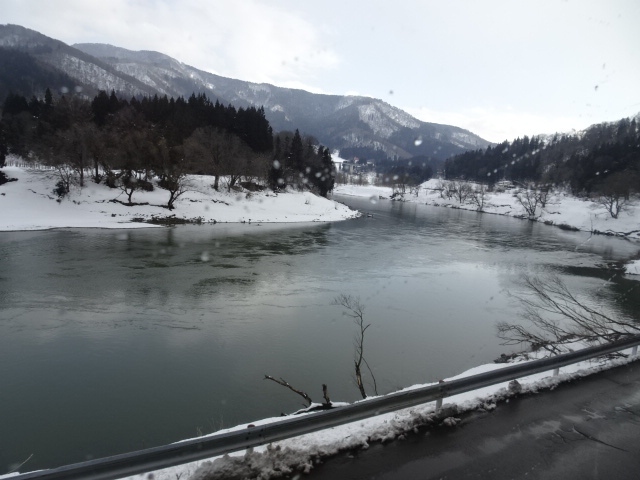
556 371
439 400
634 350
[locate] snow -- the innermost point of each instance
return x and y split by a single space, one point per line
30 204
562 209
302 452
633 268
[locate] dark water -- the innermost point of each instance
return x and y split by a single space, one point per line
112 341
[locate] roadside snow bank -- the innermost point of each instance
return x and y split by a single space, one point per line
30 204
633 268
299 454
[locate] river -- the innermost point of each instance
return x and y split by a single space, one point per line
112 341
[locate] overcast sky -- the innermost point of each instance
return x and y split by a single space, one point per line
500 68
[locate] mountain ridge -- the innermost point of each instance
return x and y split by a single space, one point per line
358 124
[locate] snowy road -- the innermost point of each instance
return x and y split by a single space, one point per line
588 429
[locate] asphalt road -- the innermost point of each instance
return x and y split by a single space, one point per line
586 429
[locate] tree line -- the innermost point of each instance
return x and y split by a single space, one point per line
130 144
603 158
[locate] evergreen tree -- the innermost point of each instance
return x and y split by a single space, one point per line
296 154
4 150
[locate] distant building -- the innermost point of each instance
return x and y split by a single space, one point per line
349 167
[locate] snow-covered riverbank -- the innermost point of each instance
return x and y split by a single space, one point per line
30 204
562 210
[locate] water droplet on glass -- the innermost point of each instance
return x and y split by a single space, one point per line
205 256
276 164
418 141
373 199
395 177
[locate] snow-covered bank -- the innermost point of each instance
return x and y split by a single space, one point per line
30 204
561 209
301 453
633 268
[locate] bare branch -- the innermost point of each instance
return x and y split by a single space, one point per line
284 383
557 316
355 310
325 395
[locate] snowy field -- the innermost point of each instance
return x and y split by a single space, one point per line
30 204
562 210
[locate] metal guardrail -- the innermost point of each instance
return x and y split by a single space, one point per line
201 448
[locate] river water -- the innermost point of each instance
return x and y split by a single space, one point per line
112 341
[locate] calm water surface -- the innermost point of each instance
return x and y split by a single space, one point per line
112 341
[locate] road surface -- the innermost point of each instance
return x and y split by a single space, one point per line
586 429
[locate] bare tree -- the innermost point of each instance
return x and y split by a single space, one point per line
355 310
444 189
530 201
65 179
460 190
128 183
555 315
615 192
479 196
614 202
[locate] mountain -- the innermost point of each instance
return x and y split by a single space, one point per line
361 126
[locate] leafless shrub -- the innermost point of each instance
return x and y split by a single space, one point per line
614 202
355 310
555 316
479 196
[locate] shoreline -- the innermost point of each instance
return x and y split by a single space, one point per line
29 204
562 211
573 211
